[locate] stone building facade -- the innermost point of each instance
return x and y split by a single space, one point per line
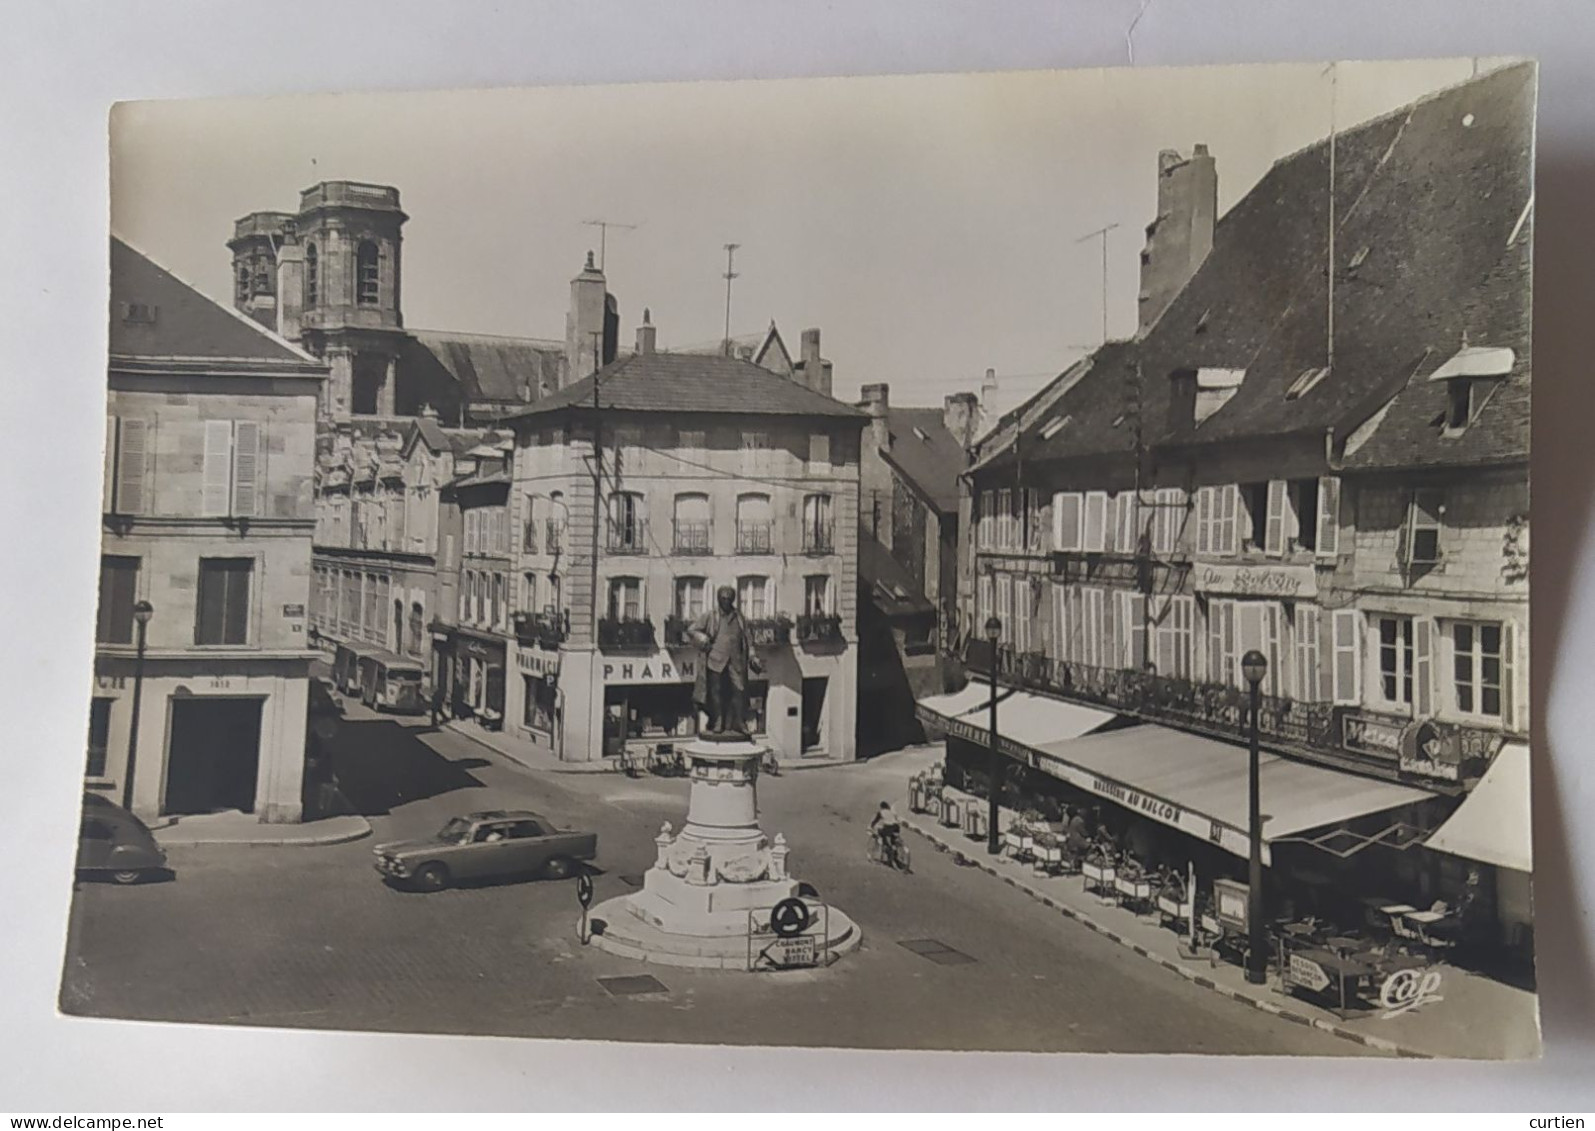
208 519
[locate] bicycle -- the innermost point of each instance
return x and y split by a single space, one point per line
893 853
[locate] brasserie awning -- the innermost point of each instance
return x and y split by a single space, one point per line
1492 825
1023 718
1200 785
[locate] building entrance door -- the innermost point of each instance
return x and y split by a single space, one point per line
813 711
213 757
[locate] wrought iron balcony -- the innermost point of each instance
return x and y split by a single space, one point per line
529 538
755 537
693 538
545 630
770 631
553 536
630 633
628 537
819 628
819 538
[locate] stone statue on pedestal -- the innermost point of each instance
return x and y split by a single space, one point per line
725 657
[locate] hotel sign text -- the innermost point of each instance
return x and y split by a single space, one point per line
1286 582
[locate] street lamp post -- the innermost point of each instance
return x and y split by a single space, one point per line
993 631
141 619
1254 666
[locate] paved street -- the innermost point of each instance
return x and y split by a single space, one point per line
292 936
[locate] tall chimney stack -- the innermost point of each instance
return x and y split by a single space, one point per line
1181 236
645 332
875 400
585 323
816 370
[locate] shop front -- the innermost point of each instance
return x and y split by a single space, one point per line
534 700
478 678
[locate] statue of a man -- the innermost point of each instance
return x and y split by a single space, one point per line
725 656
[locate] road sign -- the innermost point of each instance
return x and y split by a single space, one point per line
584 889
790 918
1307 973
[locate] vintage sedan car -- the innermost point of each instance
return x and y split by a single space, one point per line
113 842
498 844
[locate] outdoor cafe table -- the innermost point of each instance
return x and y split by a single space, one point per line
1317 971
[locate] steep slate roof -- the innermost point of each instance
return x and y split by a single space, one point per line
1425 199
890 586
489 368
926 453
1409 433
185 324
673 382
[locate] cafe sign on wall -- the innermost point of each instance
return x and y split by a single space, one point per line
1281 582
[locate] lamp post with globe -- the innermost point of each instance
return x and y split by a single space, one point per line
1254 666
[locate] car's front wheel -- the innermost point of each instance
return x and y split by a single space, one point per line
432 877
127 876
558 868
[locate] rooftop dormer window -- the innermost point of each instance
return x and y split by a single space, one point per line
1471 376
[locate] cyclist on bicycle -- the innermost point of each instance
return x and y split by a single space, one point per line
887 826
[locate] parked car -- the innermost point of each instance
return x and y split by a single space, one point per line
112 842
492 845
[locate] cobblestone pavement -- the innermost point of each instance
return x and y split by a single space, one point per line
310 937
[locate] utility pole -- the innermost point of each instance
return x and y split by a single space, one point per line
598 482
731 251
1102 234
603 227
1334 89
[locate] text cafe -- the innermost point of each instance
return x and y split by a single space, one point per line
649 698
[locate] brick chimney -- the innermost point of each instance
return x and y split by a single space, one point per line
961 415
875 400
645 332
588 314
1181 236
816 370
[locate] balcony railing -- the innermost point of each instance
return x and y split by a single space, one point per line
629 537
529 538
819 538
545 630
1204 706
693 538
819 628
553 536
676 631
770 631
755 537
616 633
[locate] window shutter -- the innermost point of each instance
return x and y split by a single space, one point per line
1307 681
246 468
1228 669
108 488
1348 657
1067 521
1204 520
1274 530
1328 516
1509 697
132 458
1423 667
217 481
1096 521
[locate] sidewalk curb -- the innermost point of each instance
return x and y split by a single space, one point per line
602 766
320 841
1183 971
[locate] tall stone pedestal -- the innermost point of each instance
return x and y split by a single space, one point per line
714 880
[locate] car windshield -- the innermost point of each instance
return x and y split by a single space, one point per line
455 831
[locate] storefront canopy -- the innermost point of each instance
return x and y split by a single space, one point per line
1023 719
1199 785
1492 825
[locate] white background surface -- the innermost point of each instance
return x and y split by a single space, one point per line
62 64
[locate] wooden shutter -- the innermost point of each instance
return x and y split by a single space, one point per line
1348 657
246 468
1226 502
1274 528
1092 601
132 458
1328 516
1163 651
1067 521
217 481
108 487
1096 521
1307 681
1423 667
